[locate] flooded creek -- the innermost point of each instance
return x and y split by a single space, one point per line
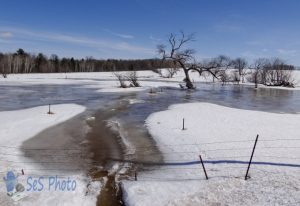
111 130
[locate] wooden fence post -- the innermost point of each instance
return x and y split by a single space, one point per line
203 167
246 176
49 112
183 124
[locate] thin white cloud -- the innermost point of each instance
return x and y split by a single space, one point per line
103 44
5 34
124 36
128 47
154 39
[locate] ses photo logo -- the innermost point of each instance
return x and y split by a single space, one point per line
17 190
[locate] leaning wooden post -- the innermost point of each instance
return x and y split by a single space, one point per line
203 167
246 176
183 124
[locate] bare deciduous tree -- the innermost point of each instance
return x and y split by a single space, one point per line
240 65
234 76
224 77
28 64
217 67
10 63
168 72
257 68
4 66
178 55
279 74
272 73
184 57
121 78
158 71
172 70
133 79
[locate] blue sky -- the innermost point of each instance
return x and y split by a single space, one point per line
133 28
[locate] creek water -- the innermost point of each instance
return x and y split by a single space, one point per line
117 126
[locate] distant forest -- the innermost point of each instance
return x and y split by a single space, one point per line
23 62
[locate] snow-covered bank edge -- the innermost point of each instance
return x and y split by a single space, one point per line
19 126
107 82
220 133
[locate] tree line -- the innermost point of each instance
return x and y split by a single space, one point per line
270 72
23 62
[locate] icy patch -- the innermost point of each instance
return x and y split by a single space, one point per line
115 125
130 89
90 119
136 101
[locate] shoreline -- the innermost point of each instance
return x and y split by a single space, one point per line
25 150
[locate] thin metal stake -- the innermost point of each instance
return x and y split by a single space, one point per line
183 124
49 110
203 167
246 176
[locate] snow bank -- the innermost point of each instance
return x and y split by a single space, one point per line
19 126
224 137
103 81
107 82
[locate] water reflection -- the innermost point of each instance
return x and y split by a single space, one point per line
238 96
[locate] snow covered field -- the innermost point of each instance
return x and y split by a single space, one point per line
224 137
